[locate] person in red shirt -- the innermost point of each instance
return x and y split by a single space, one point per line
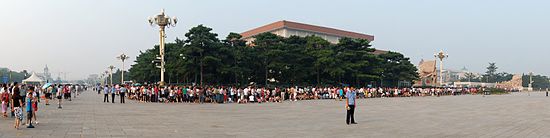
154 98
5 98
179 94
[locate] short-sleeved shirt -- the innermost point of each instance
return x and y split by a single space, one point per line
123 89
16 99
53 90
351 97
29 104
106 90
15 91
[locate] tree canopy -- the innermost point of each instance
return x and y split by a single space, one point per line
203 59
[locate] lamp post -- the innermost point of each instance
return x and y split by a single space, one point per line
162 21
111 73
123 58
102 78
441 56
106 76
530 88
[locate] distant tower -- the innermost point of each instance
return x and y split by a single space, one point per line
464 69
47 74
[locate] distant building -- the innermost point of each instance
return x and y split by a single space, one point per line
46 76
451 75
287 28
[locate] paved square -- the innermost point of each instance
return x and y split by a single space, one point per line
514 115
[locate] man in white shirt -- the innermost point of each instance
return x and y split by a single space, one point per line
106 91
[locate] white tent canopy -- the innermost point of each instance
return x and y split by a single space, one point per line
33 79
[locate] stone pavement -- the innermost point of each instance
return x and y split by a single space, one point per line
514 115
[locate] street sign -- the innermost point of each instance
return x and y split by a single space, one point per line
5 79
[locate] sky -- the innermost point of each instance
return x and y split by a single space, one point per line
83 37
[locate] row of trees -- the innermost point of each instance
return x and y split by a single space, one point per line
539 81
13 76
492 76
203 59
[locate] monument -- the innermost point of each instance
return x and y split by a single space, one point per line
514 84
427 73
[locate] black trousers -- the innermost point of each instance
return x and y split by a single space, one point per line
113 96
349 115
106 98
122 98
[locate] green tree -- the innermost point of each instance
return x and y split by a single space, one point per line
319 49
397 68
358 62
144 70
490 74
470 77
202 58
539 81
268 46
235 48
201 48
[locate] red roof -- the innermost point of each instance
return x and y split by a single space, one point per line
305 27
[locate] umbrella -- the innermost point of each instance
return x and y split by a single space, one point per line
46 85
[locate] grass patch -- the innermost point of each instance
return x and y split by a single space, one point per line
496 91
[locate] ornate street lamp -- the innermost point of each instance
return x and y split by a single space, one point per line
106 76
441 56
102 79
123 58
111 73
162 21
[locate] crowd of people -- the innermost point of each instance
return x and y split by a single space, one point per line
20 98
250 94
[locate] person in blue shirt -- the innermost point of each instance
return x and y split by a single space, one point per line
122 92
341 94
350 105
113 92
28 105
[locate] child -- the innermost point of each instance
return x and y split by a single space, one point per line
35 100
28 105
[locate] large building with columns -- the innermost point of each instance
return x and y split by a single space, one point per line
287 28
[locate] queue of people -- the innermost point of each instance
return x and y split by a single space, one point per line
251 94
19 99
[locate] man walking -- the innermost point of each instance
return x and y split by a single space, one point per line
98 88
350 106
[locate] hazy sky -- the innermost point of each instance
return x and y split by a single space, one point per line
84 36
